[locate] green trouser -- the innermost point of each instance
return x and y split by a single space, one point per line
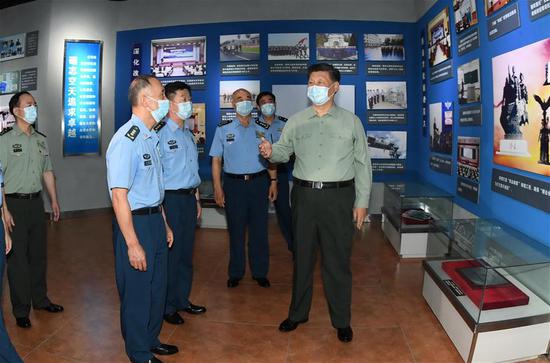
324 218
27 259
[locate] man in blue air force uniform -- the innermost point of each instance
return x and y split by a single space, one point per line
181 201
247 189
275 124
135 180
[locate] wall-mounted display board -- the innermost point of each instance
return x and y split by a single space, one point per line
180 57
239 54
9 82
82 72
469 93
538 8
388 151
503 21
197 125
288 52
521 99
439 45
387 102
338 49
6 118
441 136
18 46
467 185
465 14
385 54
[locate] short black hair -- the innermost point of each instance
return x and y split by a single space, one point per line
262 94
14 100
172 88
324 67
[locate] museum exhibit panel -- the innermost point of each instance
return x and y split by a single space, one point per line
490 291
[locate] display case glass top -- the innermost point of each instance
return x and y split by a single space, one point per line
416 189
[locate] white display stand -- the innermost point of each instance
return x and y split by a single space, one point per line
501 335
407 245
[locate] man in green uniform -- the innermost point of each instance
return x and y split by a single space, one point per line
25 157
332 182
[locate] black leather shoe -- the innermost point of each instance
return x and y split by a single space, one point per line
153 360
195 309
23 322
51 308
289 325
262 281
174 318
345 334
165 349
232 282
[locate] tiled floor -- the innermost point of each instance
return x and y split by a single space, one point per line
392 323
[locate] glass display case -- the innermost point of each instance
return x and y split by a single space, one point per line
409 209
490 289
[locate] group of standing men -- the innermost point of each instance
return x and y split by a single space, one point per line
153 179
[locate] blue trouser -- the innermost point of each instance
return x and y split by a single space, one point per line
181 214
282 206
246 205
142 294
7 351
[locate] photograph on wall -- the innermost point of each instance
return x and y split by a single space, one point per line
384 47
439 38
336 46
387 95
493 5
228 87
178 57
288 46
469 84
468 168
9 82
239 47
292 98
197 125
12 47
465 14
388 150
441 127
6 118
521 89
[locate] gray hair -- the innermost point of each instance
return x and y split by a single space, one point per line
138 84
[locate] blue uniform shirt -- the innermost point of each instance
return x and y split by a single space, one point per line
133 163
180 162
238 145
275 129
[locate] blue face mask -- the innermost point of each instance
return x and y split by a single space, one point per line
185 110
268 109
161 111
318 94
244 108
31 114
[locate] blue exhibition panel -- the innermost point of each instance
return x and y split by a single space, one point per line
127 39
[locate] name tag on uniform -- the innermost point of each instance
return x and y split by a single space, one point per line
230 137
147 160
17 148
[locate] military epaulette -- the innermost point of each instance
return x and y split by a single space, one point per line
224 122
263 124
39 133
284 119
159 126
6 130
132 133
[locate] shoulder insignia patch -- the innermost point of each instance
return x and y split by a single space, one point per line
132 133
159 125
265 125
284 119
224 122
5 131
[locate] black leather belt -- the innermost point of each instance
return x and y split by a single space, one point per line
146 211
182 191
323 185
23 195
246 176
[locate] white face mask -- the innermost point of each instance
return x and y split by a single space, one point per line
319 94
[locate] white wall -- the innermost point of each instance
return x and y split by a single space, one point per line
82 180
